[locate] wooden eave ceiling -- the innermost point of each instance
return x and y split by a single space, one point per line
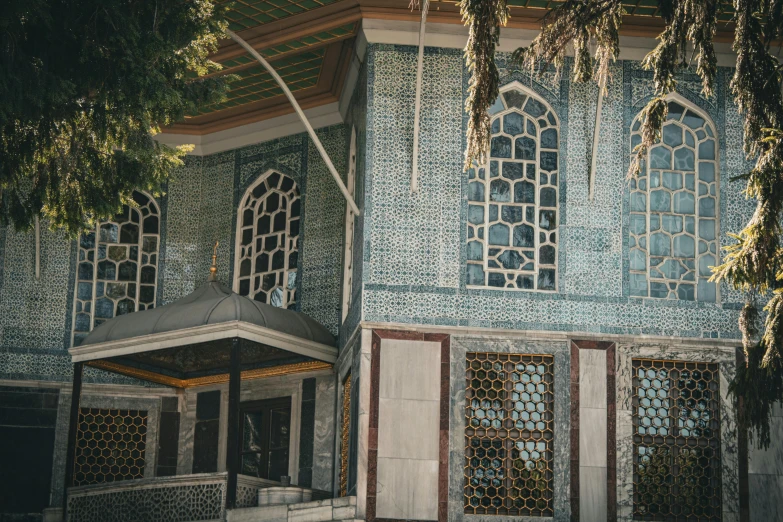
312 50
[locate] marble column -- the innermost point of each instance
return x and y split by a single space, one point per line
592 434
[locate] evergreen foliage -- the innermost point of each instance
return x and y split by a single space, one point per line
754 263
84 86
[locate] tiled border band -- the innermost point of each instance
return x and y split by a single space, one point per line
372 443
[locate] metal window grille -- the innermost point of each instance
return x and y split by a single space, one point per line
345 437
676 441
111 445
509 434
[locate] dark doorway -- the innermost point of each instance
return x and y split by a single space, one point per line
265 438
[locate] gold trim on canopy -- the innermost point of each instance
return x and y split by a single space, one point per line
259 373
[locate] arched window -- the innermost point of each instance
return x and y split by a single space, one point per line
349 229
267 234
118 266
674 209
513 198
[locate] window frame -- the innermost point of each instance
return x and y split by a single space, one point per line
674 441
288 250
708 123
153 203
498 109
265 405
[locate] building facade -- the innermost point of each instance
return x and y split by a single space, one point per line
527 340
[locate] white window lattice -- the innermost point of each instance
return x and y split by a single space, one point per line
513 198
118 266
349 229
267 237
674 207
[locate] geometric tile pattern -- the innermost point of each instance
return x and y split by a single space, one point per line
110 446
509 434
677 465
118 272
513 202
178 503
673 210
412 273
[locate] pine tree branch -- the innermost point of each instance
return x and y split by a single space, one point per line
484 18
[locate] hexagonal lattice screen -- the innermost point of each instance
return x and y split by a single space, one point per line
676 468
509 434
110 445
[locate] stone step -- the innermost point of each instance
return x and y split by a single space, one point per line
328 510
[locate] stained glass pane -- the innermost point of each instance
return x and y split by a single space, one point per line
512 214
268 241
119 269
675 206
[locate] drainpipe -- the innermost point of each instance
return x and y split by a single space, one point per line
302 117
417 103
596 134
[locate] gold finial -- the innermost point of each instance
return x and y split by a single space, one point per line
213 268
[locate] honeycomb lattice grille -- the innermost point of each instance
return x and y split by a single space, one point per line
676 468
345 437
509 434
110 446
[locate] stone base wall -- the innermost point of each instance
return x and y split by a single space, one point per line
317 511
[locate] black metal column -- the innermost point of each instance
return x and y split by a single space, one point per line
76 395
232 450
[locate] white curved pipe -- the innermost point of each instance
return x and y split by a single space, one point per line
417 102
302 117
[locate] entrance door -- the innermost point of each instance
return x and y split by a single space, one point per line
265 436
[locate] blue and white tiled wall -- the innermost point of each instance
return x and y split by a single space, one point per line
415 244
410 249
199 208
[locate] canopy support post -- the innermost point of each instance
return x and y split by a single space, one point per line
73 421
298 109
232 449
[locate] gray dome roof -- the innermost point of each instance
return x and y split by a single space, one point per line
209 304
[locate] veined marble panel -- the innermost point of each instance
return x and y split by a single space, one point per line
592 437
726 359
766 497
592 493
323 445
592 379
460 345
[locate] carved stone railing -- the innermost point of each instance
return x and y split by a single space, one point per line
184 498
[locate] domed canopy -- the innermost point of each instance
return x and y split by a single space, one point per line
189 340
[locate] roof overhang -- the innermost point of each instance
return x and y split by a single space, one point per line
199 355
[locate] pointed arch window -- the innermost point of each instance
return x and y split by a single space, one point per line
349 229
267 252
513 199
118 266
674 206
